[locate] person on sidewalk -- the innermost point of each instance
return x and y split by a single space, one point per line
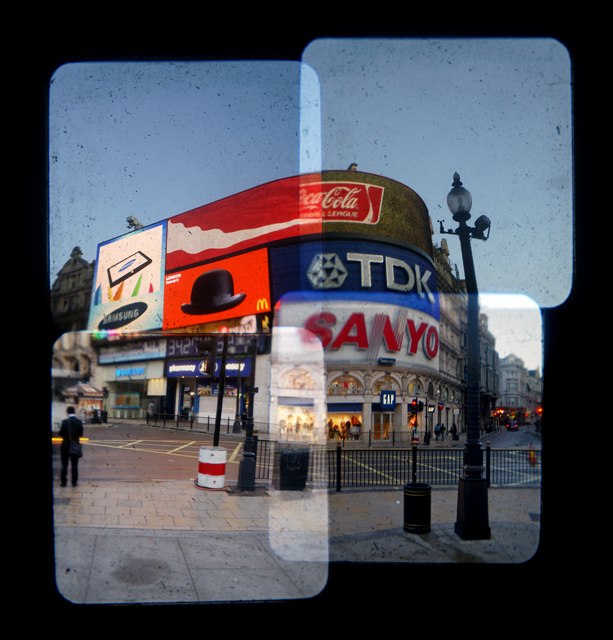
70 429
443 432
453 431
437 431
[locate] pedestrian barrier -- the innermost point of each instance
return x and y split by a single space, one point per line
370 467
212 469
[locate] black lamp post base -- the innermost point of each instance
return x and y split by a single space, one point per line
472 519
246 474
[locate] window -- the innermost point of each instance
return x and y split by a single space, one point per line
345 385
386 383
416 388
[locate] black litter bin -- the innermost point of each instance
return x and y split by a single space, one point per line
417 507
291 467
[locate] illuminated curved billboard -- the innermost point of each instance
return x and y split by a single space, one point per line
344 234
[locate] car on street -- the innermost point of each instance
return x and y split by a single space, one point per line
512 426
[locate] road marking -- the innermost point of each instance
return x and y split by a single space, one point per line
130 444
145 446
235 452
372 469
188 444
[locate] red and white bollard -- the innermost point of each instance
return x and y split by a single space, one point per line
212 469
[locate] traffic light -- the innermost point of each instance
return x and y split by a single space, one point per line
208 348
417 406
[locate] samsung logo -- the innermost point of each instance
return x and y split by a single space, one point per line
124 315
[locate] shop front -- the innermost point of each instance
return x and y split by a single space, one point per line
345 421
370 407
196 391
133 373
86 400
297 399
135 388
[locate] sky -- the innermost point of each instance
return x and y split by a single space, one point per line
155 139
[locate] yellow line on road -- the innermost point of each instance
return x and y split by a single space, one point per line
145 444
380 473
129 444
235 452
189 444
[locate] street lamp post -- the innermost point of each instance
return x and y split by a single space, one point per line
472 517
246 467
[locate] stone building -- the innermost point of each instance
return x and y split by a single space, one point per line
450 391
71 293
520 391
489 375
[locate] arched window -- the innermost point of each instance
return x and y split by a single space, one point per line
416 388
345 385
385 383
297 379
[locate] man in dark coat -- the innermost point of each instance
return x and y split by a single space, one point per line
70 429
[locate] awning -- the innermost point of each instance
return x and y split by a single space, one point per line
82 390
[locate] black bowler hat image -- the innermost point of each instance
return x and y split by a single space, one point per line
212 291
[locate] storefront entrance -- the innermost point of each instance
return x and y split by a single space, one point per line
382 426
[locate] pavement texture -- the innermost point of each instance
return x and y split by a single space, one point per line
173 542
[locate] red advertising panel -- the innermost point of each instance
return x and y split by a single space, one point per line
278 210
228 288
249 219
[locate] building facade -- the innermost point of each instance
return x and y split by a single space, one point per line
342 257
71 291
520 392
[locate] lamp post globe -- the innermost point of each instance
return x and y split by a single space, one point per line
459 199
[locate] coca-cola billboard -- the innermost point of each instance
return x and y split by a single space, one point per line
296 207
342 201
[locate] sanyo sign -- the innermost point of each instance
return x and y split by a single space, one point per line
363 334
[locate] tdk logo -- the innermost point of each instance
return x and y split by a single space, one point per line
327 271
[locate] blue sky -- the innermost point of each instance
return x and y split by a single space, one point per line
154 139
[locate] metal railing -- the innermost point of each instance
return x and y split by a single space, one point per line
206 424
337 468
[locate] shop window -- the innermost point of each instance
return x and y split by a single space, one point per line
296 423
345 385
344 426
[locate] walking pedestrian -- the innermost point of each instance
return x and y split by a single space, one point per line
453 431
71 429
443 432
437 430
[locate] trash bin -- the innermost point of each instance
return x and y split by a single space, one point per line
417 504
291 466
